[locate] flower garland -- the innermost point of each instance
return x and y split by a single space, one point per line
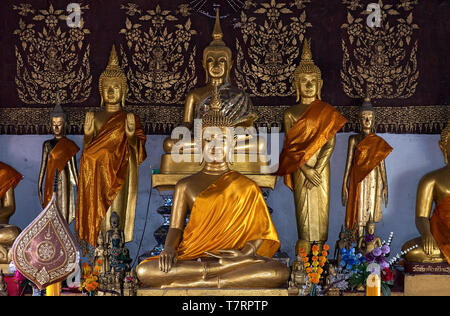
90 276
314 264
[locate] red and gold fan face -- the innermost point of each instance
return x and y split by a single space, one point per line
46 251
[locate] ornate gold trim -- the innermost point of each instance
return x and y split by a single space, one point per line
162 119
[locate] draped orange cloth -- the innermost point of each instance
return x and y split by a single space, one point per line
368 154
226 215
57 160
9 177
440 226
103 167
313 129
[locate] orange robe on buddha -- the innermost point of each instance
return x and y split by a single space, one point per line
440 226
313 129
369 153
63 151
104 164
226 215
310 141
9 177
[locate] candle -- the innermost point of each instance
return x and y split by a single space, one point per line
373 285
53 289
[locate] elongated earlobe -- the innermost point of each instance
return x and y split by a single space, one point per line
444 151
319 89
297 90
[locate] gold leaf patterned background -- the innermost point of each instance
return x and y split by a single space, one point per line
402 65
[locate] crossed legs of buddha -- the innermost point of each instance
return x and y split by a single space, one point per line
258 272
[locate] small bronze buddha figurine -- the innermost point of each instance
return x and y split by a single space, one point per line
229 238
115 244
433 225
368 242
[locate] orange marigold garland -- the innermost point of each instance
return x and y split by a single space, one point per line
90 276
314 262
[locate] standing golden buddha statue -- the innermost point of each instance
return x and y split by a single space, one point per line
433 226
113 148
230 237
58 155
9 178
365 182
310 129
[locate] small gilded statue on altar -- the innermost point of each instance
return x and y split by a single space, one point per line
368 242
101 255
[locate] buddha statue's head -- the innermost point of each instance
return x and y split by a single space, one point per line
444 142
217 132
367 116
113 82
217 57
370 226
58 119
100 239
114 220
307 76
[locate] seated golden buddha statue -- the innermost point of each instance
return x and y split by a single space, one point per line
113 148
217 62
229 239
9 178
434 187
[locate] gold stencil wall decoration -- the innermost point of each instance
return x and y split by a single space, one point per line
51 56
380 62
269 46
158 54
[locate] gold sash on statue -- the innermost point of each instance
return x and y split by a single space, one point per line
318 124
368 154
9 177
57 160
103 167
226 215
440 226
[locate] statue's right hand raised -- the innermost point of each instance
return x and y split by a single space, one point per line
89 123
167 258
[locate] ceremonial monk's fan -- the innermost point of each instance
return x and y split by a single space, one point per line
46 251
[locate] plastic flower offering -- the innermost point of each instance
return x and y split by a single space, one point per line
350 260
